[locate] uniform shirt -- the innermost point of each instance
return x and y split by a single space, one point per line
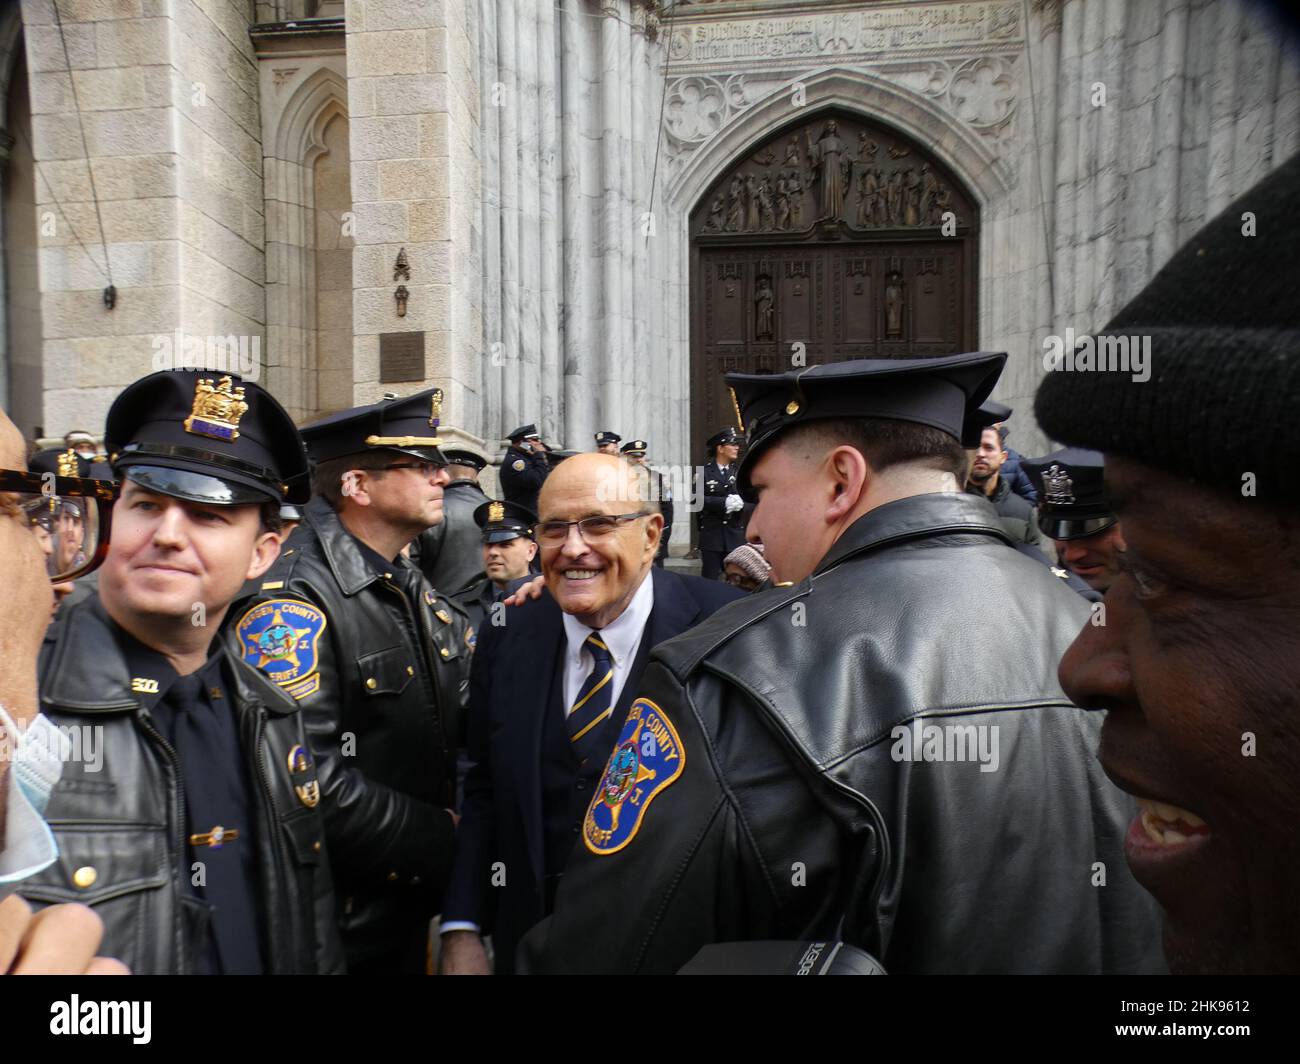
194 716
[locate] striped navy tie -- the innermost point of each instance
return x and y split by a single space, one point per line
593 704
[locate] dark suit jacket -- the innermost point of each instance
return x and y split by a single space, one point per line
511 682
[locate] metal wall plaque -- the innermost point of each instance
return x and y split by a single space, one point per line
401 356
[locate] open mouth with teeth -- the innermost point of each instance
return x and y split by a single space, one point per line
1169 825
581 574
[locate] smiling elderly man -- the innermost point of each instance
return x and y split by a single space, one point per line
1196 662
876 749
548 693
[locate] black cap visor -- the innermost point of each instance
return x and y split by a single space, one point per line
424 454
503 535
1054 526
195 487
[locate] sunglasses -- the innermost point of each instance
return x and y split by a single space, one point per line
70 517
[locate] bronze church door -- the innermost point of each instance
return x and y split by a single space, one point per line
837 239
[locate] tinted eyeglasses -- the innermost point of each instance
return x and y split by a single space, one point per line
591 529
70 517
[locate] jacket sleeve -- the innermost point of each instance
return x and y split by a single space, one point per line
470 895
373 831
709 858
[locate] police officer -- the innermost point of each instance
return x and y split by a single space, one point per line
508 551
722 519
449 553
791 768
1074 513
377 661
607 442
190 818
636 451
524 467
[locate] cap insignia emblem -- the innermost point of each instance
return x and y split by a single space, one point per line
1058 486
435 408
496 512
217 410
68 463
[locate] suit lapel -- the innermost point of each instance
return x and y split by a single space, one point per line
536 680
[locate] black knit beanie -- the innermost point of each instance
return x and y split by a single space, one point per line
1223 394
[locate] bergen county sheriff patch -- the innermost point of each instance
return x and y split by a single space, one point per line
646 759
279 637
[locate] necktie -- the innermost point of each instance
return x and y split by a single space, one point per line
593 704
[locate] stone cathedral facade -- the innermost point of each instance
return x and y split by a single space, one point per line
582 212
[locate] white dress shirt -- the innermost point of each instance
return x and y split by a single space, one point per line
622 636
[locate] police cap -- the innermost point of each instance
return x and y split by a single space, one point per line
606 436
502 521
1071 493
939 392
727 435
206 438
634 448
523 432
408 425
461 456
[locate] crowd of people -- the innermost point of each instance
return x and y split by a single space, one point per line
314 702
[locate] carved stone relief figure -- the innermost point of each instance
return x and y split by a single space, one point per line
912 209
717 212
942 204
795 184
766 217
735 206
751 203
831 170
782 202
929 188
894 305
894 199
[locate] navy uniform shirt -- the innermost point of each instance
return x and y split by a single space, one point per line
194 715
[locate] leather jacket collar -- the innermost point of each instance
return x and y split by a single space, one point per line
916 517
350 566
84 669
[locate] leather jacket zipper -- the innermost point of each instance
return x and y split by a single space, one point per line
178 810
272 825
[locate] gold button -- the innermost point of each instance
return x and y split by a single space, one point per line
410 671
445 652
371 683
792 407
315 846
388 576
85 876
392 877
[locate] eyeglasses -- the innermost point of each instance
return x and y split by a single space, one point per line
591 529
425 469
70 516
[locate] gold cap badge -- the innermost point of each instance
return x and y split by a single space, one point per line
68 463
496 512
435 408
217 410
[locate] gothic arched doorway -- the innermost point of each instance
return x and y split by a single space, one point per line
827 243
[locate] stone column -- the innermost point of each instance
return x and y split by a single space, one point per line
413 103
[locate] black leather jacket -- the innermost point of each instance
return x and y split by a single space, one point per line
795 804
450 554
384 722
123 821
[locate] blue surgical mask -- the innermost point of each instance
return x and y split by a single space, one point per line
37 757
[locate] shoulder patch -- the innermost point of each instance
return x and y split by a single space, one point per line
517 465
280 637
646 759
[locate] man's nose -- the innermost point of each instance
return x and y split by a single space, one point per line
170 529
574 544
1094 671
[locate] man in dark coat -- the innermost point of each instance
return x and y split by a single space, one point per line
549 690
194 831
723 514
450 553
876 750
525 467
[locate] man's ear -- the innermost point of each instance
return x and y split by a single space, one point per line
850 476
654 532
355 485
266 549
